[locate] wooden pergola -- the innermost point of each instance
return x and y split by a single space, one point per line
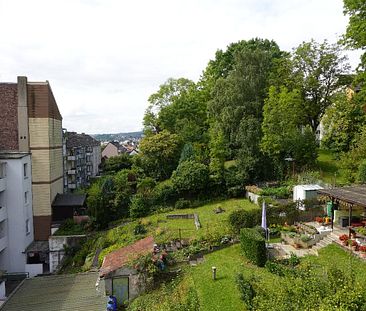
348 196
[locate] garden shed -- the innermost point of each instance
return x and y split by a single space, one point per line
120 279
348 205
305 192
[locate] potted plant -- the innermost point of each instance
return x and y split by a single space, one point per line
363 251
319 219
353 244
344 239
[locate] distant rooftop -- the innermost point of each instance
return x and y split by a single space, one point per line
80 140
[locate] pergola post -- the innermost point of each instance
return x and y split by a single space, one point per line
350 219
332 214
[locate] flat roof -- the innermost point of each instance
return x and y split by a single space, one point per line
69 199
352 195
58 292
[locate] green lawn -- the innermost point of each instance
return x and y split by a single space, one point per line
211 223
329 168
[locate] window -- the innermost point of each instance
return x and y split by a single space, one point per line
26 197
27 226
25 170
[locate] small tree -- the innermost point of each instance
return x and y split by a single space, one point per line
190 177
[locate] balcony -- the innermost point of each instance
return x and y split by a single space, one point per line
2 184
71 158
3 213
71 172
71 186
2 177
3 243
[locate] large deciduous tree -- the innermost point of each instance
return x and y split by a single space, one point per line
317 68
160 154
284 133
238 97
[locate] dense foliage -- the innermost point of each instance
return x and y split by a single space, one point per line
253 245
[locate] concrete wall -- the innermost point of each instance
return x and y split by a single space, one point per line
136 281
34 269
252 197
19 212
57 248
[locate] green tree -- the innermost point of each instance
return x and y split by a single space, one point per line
343 121
179 107
125 187
238 97
317 68
160 154
100 202
284 133
190 177
114 164
355 36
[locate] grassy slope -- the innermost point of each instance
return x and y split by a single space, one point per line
165 230
329 168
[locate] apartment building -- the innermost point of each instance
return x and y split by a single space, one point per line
82 159
16 219
31 123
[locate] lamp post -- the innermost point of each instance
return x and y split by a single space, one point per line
289 159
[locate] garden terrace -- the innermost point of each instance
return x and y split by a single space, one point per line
347 198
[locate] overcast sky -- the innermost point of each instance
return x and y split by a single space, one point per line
104 58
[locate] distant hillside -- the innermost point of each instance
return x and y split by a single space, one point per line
117 136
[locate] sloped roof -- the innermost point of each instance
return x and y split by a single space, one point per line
69 199
58 292
122 256
352 195
75 140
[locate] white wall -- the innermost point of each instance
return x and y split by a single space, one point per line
18 212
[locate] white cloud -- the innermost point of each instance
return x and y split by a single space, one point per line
104 58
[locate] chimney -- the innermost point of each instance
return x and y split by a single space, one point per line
23 131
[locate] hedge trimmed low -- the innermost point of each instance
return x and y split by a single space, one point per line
254 246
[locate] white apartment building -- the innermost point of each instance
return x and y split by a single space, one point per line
16 213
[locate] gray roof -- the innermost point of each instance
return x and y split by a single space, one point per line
351 195
75 140
58 293
69 199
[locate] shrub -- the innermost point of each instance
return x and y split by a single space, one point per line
275 268
164 193
279 192
181 204
362 172
244 219
246 289
190 176
139 229
305 238
140 206
253 246
236 192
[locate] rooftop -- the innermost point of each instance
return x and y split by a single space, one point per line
352 195
80 140
58 293
69 199
122 256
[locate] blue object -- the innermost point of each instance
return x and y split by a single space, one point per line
112 303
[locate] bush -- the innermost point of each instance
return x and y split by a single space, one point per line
164 193
181 204
362 172
190 176
244 219
279 192
139 229
140 206
236 192
253 246
246 289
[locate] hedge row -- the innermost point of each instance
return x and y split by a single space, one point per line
254 246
